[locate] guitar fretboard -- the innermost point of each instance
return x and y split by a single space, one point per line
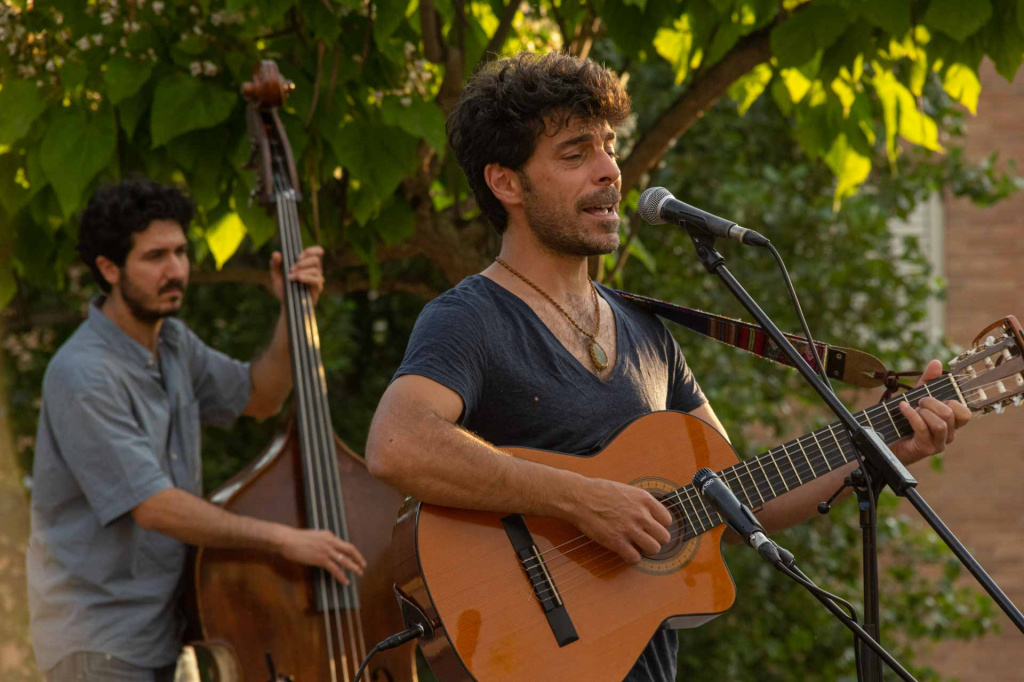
790 465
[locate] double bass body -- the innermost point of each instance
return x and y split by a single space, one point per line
253 603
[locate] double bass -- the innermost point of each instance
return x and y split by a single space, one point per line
258 613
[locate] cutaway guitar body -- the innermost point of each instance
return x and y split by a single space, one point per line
489 620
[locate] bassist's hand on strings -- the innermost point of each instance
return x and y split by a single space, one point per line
308 269
324 549
627 520
934 422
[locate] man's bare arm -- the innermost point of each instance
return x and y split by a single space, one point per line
195 521
416 446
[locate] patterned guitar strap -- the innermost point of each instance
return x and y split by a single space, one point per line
851 366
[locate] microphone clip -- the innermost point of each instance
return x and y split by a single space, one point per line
855 480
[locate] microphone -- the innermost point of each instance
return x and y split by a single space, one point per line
658 206
735 514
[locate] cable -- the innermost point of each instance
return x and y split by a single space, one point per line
415 632
800 314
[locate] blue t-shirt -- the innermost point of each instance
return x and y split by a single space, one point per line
521 387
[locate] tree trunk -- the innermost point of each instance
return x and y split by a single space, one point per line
17 663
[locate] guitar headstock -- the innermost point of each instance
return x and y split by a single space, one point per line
990 375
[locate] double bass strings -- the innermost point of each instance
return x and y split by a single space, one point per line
323 477
315 500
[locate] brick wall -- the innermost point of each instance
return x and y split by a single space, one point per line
979 495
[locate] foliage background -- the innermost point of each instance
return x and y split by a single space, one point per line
834 117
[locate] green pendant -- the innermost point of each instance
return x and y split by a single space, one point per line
598 356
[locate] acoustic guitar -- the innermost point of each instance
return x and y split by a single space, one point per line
511 597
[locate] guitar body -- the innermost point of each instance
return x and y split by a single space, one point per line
458 568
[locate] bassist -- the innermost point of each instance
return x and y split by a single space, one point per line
117 474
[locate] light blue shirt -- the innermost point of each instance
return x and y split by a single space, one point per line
117 426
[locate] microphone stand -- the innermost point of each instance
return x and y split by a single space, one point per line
881 464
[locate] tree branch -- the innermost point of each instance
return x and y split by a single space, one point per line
589 27
347 284
433 45
497 41
705 90
320 48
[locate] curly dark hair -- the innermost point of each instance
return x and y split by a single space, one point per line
116 212
507 105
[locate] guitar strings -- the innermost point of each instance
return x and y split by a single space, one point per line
735 473
706 516
566 584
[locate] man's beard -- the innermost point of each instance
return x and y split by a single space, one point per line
134 299
563 232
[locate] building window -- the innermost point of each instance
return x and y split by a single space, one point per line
926 226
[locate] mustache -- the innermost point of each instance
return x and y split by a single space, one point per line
606 195
172 285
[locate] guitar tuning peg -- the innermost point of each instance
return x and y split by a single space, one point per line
1018 400
998 408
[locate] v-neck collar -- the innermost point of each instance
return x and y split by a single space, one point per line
615 371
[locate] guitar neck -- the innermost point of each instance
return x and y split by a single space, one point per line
791 465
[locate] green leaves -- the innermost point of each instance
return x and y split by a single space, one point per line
224 238
850 167
748 88
417 117
379 156
956 18
123 77
182 103
675 46
75 149
961 83
902 115
21 104
811 28
1004 43
892 16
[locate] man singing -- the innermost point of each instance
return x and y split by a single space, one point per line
530 352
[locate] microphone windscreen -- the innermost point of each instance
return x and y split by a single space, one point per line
650 202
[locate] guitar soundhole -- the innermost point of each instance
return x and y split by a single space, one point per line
677 530
678 551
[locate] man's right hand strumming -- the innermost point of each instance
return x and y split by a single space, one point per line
627 520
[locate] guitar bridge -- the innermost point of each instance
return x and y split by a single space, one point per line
544 588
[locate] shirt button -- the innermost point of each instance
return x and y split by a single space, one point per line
149 363
174 456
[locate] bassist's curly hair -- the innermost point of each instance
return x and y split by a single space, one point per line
508 104
116 212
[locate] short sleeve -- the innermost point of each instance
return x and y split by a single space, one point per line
222 384
106 450
684 392
447 346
